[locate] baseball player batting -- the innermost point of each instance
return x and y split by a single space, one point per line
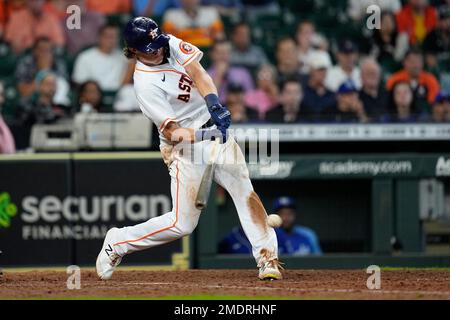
176 93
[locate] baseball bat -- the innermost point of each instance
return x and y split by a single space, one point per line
205 185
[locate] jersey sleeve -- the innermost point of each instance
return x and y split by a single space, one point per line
154 105
184 52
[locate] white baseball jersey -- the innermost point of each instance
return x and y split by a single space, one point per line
166 93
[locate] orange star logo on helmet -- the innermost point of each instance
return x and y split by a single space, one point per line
153 34
186 48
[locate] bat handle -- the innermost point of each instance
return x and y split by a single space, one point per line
214 151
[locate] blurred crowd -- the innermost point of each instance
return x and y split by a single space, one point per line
284 61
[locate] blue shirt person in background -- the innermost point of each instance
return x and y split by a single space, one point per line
293 239
235 242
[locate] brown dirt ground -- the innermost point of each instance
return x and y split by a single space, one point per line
297 284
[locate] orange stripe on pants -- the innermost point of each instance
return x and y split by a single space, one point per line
164 229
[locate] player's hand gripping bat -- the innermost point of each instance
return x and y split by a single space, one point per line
205 185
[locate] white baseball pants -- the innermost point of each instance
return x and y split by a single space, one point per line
186 171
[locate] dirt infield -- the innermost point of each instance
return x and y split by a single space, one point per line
301 284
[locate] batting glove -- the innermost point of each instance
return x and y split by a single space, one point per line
220 114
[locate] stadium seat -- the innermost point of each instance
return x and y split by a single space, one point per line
303 6
11 97
157 19
267 30
206 59
444 65
67 58
228 23
108 100
390 66
118 19
8 60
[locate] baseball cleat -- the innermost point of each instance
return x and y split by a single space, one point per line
270 270
108 259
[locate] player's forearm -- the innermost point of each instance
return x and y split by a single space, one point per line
205 85
219 114
175 134
201 78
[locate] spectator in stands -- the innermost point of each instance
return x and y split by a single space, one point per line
305 48
437 47
104 63
149 8
288 111
229 8
346 69
372 95
318 101
90 98
255 8
240 113
320 42
199 25
58 8
6 9
109 7
79 39
7 144
243 52
223 73
288 66
357 9
30 23
424 84
402 107
441 108
349 107
439 3
40 107
42 57
388 45
125 100
417 18
265 96
3 18
294 239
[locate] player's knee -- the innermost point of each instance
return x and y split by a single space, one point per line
186 229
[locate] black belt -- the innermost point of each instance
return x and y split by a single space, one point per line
208 124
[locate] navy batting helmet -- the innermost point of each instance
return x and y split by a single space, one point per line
143 34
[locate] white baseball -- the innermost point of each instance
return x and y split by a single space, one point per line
274 220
